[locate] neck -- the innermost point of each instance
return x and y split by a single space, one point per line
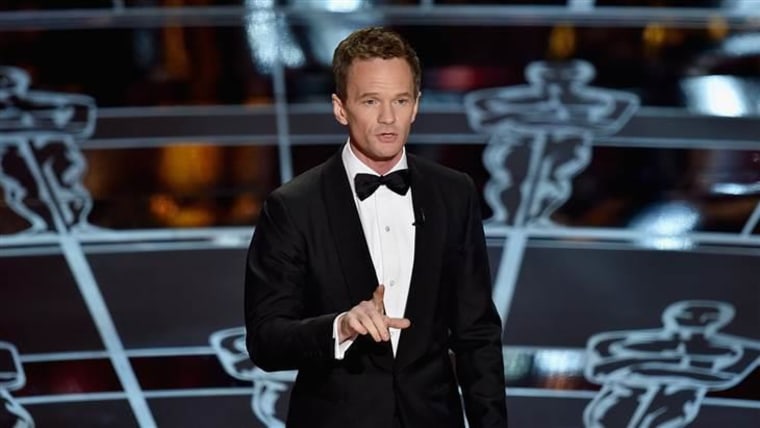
379 166
382 167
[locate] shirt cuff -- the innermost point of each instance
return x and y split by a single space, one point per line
340 348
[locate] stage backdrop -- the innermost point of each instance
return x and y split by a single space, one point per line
616 145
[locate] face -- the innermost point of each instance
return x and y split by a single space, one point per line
379 109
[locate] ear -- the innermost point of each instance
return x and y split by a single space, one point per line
339 111
416 106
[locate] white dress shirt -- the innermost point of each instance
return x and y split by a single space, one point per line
387 219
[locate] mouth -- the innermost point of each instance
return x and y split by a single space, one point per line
387 136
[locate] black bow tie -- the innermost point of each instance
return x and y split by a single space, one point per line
366 184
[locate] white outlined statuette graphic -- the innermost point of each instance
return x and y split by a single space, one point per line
659 377
12 377
229 346
40 131
547 125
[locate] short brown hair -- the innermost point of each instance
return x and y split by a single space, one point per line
369 43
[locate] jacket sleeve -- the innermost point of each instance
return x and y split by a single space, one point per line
278 335
476 330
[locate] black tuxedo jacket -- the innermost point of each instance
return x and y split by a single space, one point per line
309 261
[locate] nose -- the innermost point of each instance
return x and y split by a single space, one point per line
387 115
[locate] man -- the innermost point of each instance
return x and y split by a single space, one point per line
366 271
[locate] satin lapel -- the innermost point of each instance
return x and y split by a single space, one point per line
346 228
423 290
355 260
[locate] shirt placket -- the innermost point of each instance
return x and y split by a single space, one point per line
390 258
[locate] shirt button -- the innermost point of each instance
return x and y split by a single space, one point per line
387 228
393 283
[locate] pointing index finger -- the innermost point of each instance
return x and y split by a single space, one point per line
377 298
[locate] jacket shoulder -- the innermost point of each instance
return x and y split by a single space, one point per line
302 188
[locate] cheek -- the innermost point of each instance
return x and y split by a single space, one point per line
366 127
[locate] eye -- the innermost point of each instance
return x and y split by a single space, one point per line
403 101
369 102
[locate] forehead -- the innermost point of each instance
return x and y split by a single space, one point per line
379 75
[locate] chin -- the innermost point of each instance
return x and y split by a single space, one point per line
390 149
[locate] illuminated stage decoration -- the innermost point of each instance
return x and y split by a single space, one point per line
229 346
12 414
43 129
550 123
143 308
659 377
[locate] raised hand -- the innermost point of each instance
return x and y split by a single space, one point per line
368 317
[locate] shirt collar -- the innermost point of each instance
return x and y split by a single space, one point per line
355 166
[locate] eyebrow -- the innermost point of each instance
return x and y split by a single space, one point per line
374 94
